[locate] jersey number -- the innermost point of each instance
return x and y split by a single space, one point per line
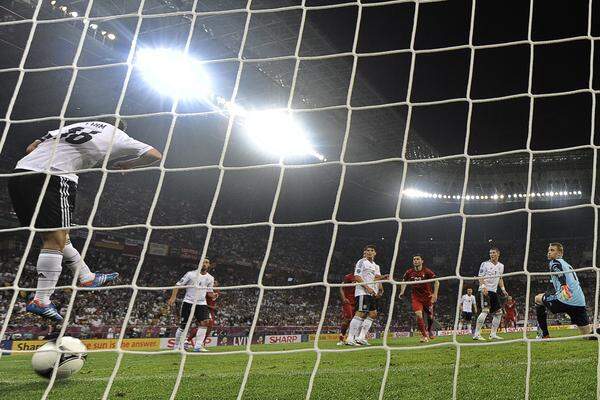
77 136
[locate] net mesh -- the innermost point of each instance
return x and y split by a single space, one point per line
405 159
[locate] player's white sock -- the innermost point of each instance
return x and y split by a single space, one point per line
178 337
354 328
480 322
49 266
366 325
73 260
200 334
496 323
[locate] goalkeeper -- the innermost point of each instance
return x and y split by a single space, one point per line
567 298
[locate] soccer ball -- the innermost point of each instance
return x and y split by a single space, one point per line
45 357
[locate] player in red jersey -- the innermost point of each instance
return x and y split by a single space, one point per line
212 306
422 297
510 313
348 310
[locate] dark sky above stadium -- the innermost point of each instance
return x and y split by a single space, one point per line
558 121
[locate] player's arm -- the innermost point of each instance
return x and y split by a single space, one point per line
474 307
210 292
379 290
565 290
343 296
183 281
33 146
146 159
436 288
403 285
173 297
501 285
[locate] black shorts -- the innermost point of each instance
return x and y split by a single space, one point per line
201 312
57 206
380 305
578 314
467 316
365 303
490 301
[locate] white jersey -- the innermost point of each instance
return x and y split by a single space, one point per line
80 146
203 283
467 302
491 274
367 270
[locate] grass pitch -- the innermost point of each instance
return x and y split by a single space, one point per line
559 370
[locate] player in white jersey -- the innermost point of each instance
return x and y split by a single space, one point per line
468 307
201 285
367 273
490 278
62 153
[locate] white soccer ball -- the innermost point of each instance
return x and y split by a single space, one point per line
70 362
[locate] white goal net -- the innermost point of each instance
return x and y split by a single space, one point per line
440 128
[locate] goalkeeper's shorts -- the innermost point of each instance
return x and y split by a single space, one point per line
578 314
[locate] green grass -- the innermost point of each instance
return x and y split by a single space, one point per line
559 370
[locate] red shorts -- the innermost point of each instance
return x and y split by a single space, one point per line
509 317
419 304
348 311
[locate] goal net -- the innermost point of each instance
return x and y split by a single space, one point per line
293 134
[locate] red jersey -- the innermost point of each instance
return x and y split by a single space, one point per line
510 309
210 302
421 291
348 290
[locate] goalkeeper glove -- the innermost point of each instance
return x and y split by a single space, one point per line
566 292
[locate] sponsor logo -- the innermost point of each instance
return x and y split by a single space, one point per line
95 344
275 339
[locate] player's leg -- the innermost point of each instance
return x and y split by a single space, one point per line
362 307
203 319
347 315
186 308
579 317
417 307
484 307
48 268
211 323
430 320
542 317
469 322
191 334
24 192
343 330
496 311
77 265
366 326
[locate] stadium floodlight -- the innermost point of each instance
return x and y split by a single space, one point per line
94 26
111 36
63 8
74 14
277 133
173 73
416 193
53 2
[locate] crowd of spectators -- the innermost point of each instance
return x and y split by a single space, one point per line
297 255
